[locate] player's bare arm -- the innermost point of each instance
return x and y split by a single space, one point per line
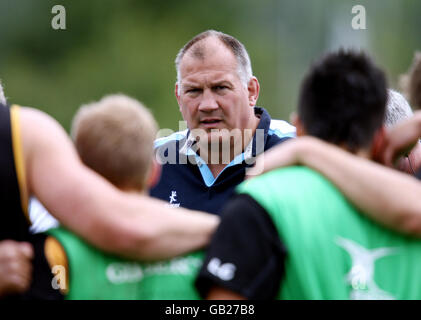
388 196
133 226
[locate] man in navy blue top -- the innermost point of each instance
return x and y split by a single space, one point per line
217 94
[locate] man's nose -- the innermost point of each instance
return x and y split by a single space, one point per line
208 102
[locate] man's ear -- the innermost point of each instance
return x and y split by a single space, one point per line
253 88
296 122
154 174
377 145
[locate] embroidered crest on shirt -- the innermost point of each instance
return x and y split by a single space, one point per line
173 199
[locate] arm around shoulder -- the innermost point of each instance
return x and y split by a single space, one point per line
387 196
84 202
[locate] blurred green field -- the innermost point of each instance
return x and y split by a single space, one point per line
129 46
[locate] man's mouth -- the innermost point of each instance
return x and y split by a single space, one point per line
210 121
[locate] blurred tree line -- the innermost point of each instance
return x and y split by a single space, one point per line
129 46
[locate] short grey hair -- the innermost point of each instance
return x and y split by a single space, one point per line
237 48
2 97
397 109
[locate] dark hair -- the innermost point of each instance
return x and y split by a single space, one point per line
343 99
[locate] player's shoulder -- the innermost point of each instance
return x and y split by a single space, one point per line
279 179
171 139
281 129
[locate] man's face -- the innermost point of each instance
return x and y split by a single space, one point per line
211 95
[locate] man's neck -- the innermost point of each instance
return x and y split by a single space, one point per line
363 153
216 169
217 159
217 166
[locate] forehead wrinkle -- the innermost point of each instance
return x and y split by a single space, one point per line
217 70
211 80
213 63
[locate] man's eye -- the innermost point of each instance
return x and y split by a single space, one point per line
220 87
193 90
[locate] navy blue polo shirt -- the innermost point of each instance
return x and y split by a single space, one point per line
186 179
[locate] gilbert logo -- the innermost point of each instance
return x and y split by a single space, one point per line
361 275
124 273
173 200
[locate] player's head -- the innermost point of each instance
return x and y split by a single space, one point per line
411 82
114 137
215 87
235 46
397 109
342 100
2 97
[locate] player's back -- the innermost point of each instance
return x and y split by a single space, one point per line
334 252
96 275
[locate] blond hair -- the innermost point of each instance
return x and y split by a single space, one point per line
114 137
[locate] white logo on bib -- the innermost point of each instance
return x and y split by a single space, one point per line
361 275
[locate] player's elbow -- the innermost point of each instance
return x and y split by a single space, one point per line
409 221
